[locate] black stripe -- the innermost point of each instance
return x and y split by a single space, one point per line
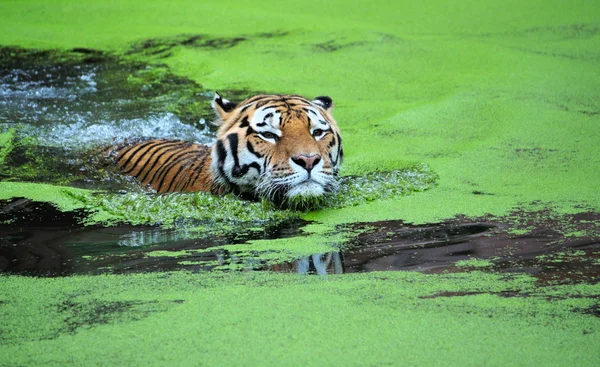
255 165
161 169
168 167
241 171
261 124
163 151
257 98
123 150
340 155
245 122
295 96
202 158
174 179
332 142
233 146
245 107
259 104
250 148
145 154
134 151
237 171
221 155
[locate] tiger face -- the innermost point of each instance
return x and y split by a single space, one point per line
281 147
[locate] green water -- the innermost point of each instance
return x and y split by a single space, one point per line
498 99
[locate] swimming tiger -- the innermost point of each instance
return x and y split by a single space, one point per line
280 147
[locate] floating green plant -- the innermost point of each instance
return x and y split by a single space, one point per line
140 207
6 144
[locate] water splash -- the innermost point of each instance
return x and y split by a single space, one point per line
74 108
84 133
59 109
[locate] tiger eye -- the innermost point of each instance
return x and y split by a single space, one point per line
269 135
318 132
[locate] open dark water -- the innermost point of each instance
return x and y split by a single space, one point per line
46 242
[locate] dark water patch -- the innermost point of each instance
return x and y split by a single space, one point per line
545 249
581 57
275 34
334 45
341 42
587 112
393 245
576 31
594 311
63 86
39 240
161 47
23 213
452 294
563 32
75 314
95 312
380 246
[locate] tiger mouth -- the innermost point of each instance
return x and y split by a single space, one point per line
306 195
308 187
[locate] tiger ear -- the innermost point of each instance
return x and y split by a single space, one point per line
222 106
325 102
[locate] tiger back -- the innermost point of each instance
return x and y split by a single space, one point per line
167 165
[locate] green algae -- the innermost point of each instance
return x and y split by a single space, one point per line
498 98
474 263
261 253
162 253
64 198
6 144
563 256
139 207
407 318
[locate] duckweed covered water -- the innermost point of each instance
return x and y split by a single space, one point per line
499 99
376 318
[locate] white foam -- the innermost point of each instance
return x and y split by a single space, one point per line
83 133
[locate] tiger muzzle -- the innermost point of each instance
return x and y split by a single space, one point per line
307 161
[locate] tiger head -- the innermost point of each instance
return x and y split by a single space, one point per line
285 148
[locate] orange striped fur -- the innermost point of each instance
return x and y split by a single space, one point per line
168 165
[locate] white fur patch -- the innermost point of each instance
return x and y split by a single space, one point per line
308 188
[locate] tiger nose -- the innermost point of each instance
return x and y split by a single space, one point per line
307 161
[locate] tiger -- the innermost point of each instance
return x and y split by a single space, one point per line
278 147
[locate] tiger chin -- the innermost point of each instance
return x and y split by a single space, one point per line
284 148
